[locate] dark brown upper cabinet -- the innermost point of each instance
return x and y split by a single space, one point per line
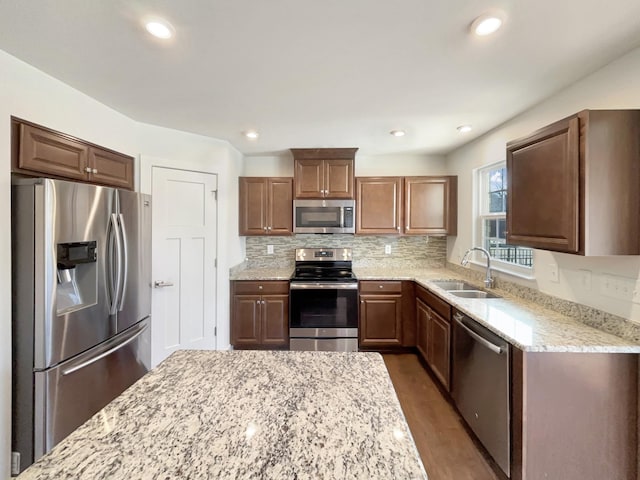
379 205
574 186
407 205
323 172
40 151
431 205
266 206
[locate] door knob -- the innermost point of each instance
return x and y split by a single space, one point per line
162 284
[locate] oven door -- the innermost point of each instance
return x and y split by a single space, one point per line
329 308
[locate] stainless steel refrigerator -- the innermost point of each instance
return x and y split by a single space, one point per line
81 270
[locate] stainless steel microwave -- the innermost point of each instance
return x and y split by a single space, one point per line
324 216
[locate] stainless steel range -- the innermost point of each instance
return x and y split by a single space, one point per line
323 301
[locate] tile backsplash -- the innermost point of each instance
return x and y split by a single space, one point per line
412 251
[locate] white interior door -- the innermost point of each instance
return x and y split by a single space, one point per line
184 261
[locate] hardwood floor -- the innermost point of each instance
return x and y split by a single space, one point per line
446 449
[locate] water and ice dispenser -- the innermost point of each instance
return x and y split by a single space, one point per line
77 276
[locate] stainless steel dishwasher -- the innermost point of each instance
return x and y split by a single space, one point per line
481 385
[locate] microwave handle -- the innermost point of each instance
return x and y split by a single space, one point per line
341 217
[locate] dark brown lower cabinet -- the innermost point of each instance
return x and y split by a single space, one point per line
574 415
422 321
380 314
438 348
434 342
380 320
260 314
433 338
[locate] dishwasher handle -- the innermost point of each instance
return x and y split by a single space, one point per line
481 340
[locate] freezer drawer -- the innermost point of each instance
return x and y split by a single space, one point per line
69 394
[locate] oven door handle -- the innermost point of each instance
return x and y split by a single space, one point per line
322 286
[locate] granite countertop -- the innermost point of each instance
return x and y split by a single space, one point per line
246 415
277 273
524 324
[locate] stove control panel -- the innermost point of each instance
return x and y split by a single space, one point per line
323 254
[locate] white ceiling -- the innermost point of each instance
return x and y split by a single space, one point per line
330 73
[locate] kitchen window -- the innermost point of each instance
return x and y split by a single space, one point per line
492 222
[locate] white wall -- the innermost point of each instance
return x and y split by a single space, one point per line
614 86
32 95
365 166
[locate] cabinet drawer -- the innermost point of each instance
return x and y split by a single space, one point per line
252 287
435 302
382 286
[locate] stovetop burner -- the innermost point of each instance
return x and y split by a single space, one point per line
323 264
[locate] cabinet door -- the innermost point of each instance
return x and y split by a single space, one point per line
245 324
378 205
422 319
380 320
280 206
438 347
430 205
338 178
110 168
543 174
50 153
253 206
275 320
309 178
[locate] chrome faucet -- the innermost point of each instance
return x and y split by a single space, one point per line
488 281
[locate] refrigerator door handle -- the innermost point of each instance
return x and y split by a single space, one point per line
140 329
124 263
117 264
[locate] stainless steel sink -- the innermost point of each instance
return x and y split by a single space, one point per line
473 294
454 285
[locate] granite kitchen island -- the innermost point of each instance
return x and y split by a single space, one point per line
246 415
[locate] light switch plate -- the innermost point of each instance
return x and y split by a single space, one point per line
269 249
553 272
585 279
387 249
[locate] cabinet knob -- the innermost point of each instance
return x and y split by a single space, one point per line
269 228
398 228
265 229
259 287
380 286
87 169
95 170
257 302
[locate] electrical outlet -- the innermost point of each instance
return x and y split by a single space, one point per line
15 463
585 279
553 272
387 249
269 249
636 292
621 288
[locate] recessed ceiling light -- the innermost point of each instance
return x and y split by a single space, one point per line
398 133
464 128
251 134
487 24
160 28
